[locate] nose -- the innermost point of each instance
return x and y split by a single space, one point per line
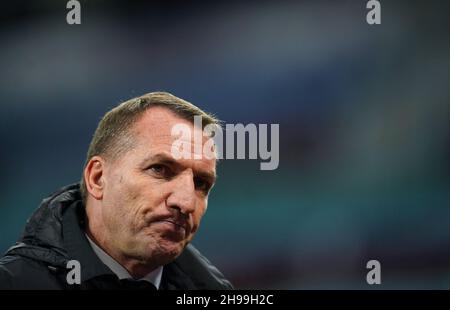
182 196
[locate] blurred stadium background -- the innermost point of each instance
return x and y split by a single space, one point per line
364 116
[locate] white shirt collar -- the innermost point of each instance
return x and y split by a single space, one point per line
153 277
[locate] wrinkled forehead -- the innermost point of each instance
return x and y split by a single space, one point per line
161 130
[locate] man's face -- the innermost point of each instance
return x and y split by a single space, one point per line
152 203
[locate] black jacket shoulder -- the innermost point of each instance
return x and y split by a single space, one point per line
54 235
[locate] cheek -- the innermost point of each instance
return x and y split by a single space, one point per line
121 197
197 217
114 186
140 199
123 187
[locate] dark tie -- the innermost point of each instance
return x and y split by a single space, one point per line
129 284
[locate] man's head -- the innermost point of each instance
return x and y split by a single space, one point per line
142 203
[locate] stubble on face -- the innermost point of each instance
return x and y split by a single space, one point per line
137 221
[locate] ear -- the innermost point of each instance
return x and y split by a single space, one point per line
94 177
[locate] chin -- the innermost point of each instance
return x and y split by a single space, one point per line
168 250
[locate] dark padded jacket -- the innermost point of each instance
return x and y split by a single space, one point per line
54 235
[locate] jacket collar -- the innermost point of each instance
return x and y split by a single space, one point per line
54 235
77 245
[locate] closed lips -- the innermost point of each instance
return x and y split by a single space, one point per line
176 224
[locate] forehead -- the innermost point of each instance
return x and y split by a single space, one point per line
153 132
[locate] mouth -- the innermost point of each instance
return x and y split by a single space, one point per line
174 226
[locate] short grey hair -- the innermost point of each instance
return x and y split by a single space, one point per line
113 136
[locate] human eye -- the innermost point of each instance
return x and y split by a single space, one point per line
202 184
160 170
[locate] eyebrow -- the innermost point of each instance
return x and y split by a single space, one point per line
166 159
